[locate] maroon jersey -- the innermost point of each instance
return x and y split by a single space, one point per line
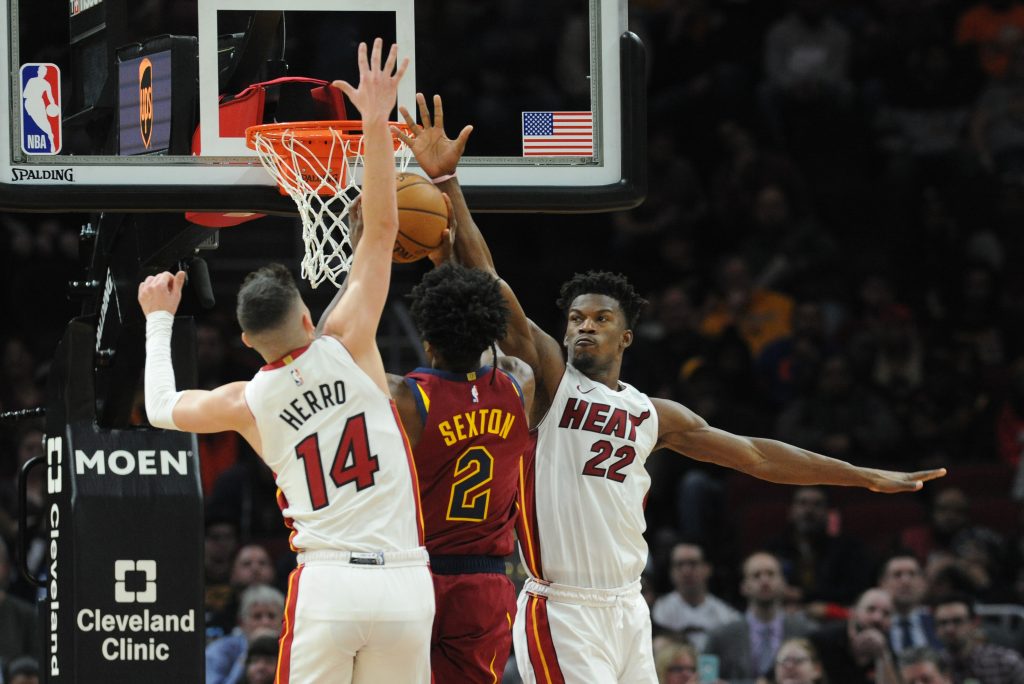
468 458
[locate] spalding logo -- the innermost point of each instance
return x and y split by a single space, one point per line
146 101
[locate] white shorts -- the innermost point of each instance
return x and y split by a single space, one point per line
583 636
353 623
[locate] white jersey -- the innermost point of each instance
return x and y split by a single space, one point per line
589 486
340 457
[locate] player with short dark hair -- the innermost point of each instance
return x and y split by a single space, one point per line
319 413
581 615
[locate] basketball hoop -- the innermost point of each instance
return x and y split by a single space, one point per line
315 162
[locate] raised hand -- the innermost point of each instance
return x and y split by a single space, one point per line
161 292
378 86
437 154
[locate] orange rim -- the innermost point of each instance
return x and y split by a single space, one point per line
318 136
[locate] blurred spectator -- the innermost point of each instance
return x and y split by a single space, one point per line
220 545
247 493
995 29
675 663
691 610
251 566
28 444
665 342
747 647
23 670
856 651
797 662
19 388
806 64
949 538
261 661
786 251
788 367
922 665
1009 425
260 614
959 631
761 316
746 169
840 418
912 623
18 635
820 567
997 133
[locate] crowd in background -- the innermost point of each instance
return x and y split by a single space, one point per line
828 246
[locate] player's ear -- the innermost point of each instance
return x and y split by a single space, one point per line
627 338
246 342
307 321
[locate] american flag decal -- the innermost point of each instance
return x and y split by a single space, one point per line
558 134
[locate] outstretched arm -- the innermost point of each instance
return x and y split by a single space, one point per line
192 410
683 431
438 156
355 319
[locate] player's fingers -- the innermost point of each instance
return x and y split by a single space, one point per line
409 121
375 52
421 103
364 65
389 64
460 142
451 211
401 69
345 87
438 112
926 475
179 280
401 135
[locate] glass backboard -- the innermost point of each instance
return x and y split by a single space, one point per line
121 106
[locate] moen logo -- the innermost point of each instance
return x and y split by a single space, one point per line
146 101
120 462
147 568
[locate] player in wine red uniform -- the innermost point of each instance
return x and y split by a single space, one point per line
469 432
360 603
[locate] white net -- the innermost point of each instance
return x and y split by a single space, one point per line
322 195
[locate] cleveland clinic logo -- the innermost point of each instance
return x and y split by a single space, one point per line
146 101
142 573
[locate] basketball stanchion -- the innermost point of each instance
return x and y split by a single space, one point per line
317 163
123 526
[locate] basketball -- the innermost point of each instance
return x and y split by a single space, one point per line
52 110
422 218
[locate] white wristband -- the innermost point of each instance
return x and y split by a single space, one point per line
161 394
442 179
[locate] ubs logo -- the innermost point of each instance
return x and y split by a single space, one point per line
146 101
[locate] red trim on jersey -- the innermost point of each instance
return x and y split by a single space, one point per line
286 359
282 503
540 645
421 528
526 526
284 660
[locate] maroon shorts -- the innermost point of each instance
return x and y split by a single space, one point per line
472 627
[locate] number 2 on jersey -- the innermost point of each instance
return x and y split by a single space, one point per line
603 449
469 501
354 443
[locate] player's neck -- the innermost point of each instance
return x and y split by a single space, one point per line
272 351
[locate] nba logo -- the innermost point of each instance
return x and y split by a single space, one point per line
40 109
